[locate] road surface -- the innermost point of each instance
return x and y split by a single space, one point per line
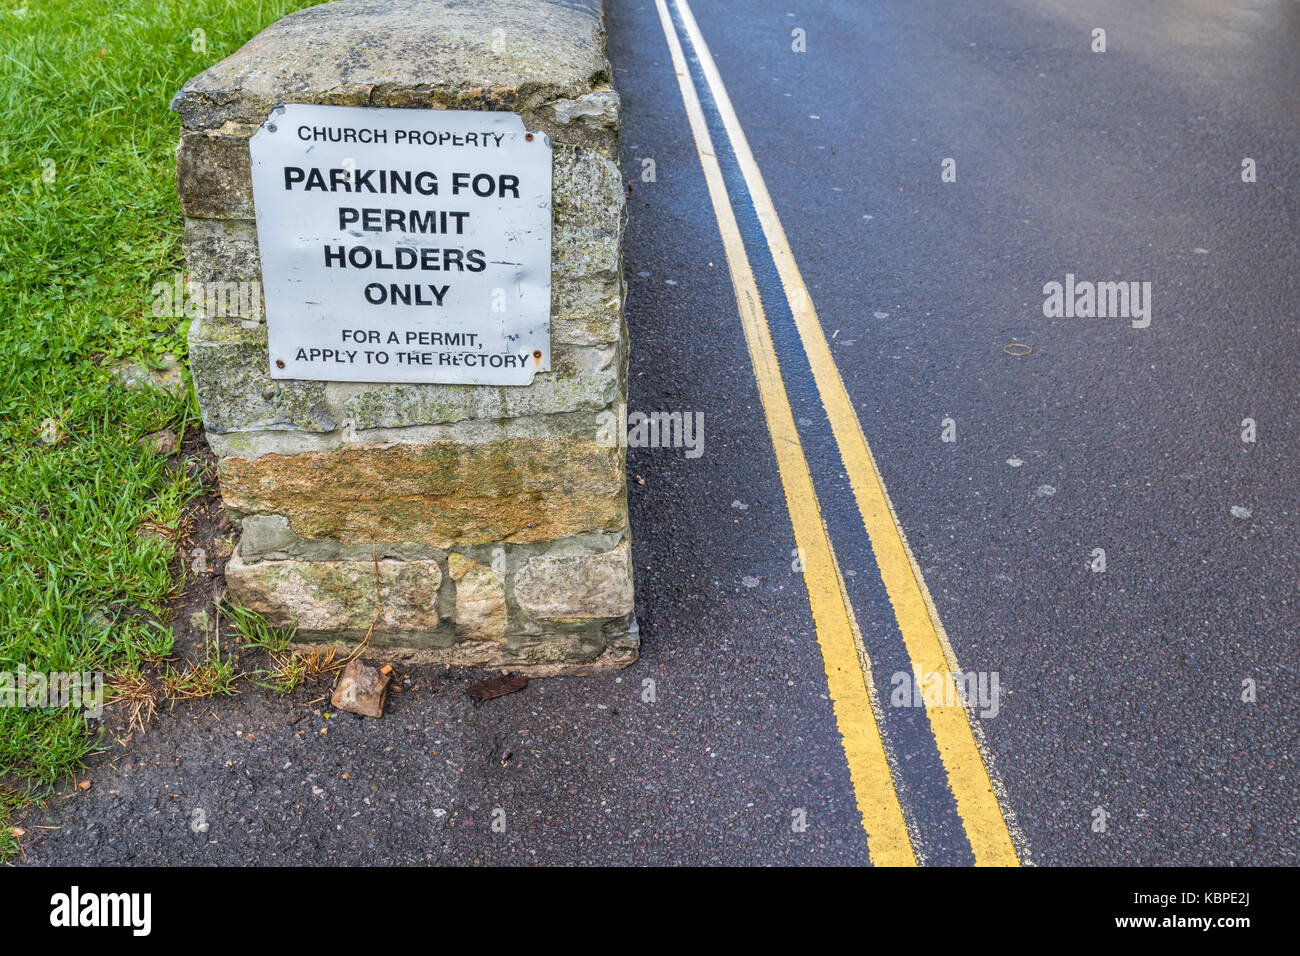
922 171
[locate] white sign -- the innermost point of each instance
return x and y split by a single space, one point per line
404 245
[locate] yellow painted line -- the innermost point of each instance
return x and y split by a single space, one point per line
873 784
927 645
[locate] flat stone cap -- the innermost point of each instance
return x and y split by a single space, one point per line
518 55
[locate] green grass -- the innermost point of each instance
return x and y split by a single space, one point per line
84 93
252 627
288 670
215 674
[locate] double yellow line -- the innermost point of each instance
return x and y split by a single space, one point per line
843 654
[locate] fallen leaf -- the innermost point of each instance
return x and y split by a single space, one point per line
497 686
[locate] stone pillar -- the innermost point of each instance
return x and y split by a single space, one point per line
493 518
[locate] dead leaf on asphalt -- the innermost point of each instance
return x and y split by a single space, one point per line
497 686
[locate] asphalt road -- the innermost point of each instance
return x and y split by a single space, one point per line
1120 690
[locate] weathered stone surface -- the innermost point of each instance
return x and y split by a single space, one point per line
236 392
473 431
361 689
480 599
542 659
222 250
269 537
592 119
213 176
587 311
589 651
441 494
588 213
577 586
330 596
520 55
264 535
600 109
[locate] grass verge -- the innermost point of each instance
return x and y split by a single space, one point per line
89 224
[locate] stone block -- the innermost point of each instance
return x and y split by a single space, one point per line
213 177
222 250
338 596
480 599
442 493
576 587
